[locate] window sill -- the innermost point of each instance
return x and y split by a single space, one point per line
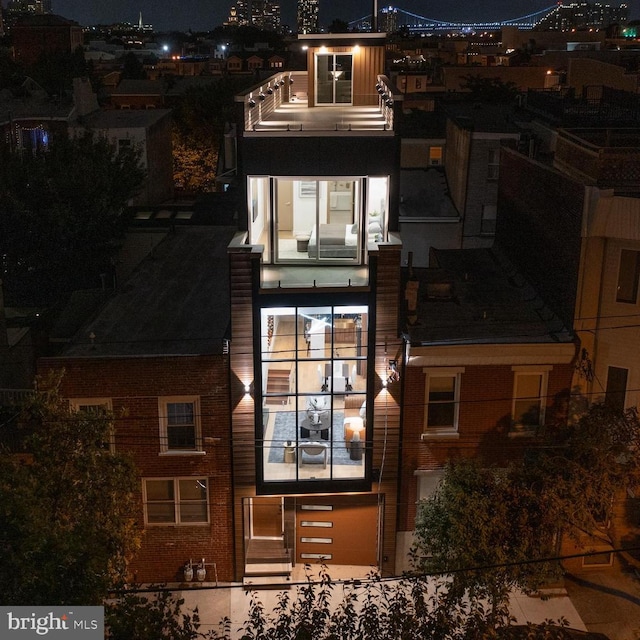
443 434
181 452
177 524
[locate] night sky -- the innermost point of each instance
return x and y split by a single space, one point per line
203 15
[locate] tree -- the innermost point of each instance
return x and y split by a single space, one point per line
496 529
67 510
132 68
483 526
199 121
63 214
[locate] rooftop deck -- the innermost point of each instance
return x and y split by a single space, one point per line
274 107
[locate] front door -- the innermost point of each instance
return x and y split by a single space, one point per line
333 78
338 529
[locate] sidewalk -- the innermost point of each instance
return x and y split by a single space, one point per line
233 601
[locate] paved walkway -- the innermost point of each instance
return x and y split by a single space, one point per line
232 601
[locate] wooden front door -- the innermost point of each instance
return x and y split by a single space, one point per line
338 529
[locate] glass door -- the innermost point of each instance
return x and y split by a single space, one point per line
333 78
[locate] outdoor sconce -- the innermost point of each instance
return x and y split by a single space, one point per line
188 571
247 388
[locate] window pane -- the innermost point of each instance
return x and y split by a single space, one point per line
193 512
441 414
180 413
528 386
161 512
441 388
181 437
159 490
195 489
527 412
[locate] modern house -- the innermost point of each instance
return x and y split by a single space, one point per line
315 285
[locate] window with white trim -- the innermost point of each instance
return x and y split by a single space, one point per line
529 397
176 501
442 394
98 407
180 424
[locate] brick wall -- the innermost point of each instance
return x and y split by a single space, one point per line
483 425
134 386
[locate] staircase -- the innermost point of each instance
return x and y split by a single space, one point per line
268 563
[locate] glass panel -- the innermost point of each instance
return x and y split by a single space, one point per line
441 410
527 404
377 198
160 512
180 413
342 79
193 512
159 490
324 79
195 489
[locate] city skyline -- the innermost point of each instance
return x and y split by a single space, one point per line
204 15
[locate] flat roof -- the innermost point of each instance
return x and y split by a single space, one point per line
176 302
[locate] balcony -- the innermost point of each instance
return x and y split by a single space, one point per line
279 106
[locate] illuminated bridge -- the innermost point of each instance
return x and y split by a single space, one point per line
394 18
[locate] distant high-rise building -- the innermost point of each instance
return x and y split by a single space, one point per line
308 16
388 19
582 15
258 13
30 6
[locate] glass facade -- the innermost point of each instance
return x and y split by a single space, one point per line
314 385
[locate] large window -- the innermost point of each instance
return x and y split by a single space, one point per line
314 382
317 220
442 395
529 397
628 276
176 501
180 424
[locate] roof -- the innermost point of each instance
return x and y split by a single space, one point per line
175 303
424 193
143 87
475 296
44 20
124 118
487 118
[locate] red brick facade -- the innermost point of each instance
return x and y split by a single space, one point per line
484 422
134 386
